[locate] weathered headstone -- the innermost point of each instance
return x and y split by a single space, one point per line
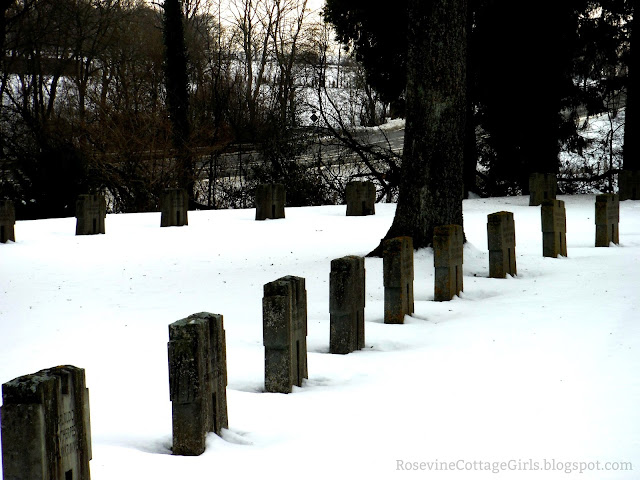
7 221
501 234
197 381
174 205
448 241
554 228
270 201
361 198
397 267
284 330
46 432
542 186
629 184
607 219
91 211
346 304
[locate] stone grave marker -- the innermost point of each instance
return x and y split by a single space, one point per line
501 233
629 184
607 219
346 304
7 221
284 317
46 432
542 186
174 205
554 228
270 201
361 198
448 243
397 266
91 211
197 381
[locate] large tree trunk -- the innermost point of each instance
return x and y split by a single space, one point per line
431 185
631 152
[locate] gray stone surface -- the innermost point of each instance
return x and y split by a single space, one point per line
607 219
284 330
270 201
7 221
197 381
501 233
554 228
542 186
91 211
174 205
346 304
397 266
361 198
448 243
46 430
629 185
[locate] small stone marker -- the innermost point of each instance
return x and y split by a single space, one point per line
270 201
7 221
554 228
361 198
284 310
174 205
501 234
542 186
629 184
397 266
197 381
91 211
346 304
46 432
607 219
448 241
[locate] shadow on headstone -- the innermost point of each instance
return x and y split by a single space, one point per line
284 331
91 211
607 219
554 228
397 267
270 201
346 304
174 205
501 234
46 431
7 221
448 241
629 185
361 198
197 381
542 186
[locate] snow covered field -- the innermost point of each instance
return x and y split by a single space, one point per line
516 373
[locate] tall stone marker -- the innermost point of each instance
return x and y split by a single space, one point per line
361 198
91 211
197 381
629 184
542 186
284 317
448 243
270 201
346 304
397 267
607 219
46 431
174 205
7 221
501 234
554 228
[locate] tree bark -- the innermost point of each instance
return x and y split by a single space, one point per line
431 185
630 158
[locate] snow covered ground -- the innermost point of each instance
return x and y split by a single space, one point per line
517 373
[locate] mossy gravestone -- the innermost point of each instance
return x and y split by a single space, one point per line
361 198
397 267
7 221
284 330
270 201
542 186
501 233
91 211
448 243
197 381
174 205
607 219
46 433
346 304
554 228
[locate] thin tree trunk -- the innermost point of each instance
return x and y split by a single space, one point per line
630 158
